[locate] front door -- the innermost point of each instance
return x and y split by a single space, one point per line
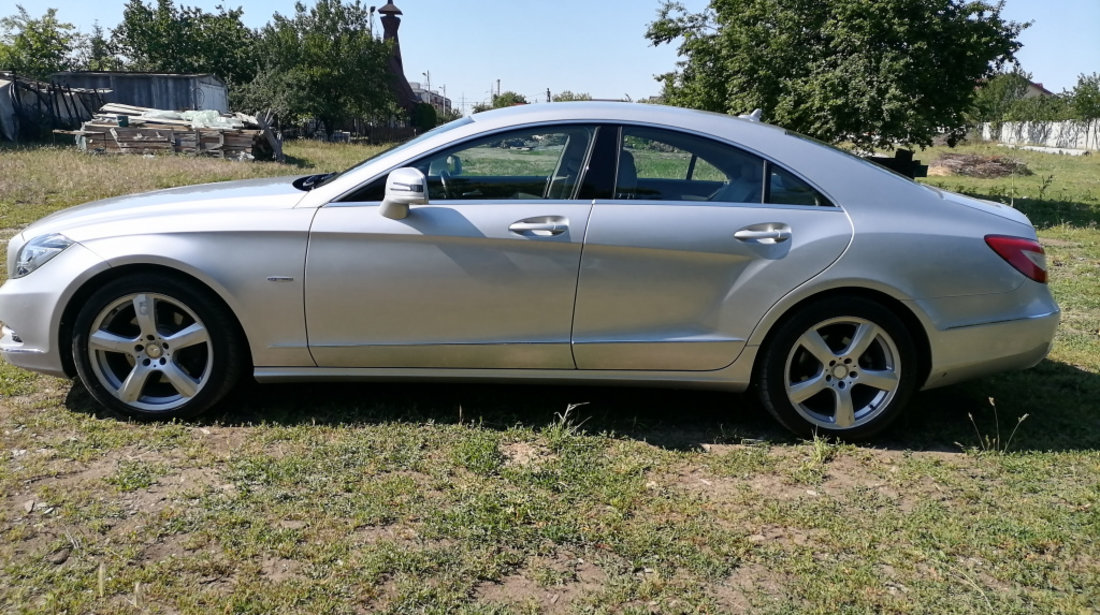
482 277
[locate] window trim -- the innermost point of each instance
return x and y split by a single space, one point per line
831 202
340 200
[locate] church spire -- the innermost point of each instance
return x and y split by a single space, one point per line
401 88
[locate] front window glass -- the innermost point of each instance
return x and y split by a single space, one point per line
462 121
534 163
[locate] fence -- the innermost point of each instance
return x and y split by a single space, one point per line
1069 134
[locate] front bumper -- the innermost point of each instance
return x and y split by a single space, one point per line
31 309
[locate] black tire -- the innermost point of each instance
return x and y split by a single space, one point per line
836 354
154 346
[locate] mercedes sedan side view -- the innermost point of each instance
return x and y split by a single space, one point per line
574 242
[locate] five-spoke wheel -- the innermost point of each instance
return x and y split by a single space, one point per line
842 366
151 346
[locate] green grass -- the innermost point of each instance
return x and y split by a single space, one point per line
517 499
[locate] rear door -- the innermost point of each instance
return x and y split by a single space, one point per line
699 240
482 277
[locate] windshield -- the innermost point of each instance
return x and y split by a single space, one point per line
321 180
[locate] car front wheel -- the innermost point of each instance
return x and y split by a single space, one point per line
151 346
844 366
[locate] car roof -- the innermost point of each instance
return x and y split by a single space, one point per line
604 111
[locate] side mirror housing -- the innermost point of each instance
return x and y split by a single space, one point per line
404 187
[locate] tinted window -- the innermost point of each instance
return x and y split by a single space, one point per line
786 189
542 163
671 166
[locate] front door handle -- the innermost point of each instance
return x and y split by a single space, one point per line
764 233
542 226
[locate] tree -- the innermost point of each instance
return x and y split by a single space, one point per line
449 116
36 47
167 38
321 63
994 97
874 73
569 95
508 99
97 53
1085 97
424 116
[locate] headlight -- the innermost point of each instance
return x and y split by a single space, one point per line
38 252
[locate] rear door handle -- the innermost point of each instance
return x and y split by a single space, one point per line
764 233
542 226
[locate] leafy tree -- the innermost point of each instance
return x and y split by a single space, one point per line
449 116
1040 109
424 116
36 47
98 53
997 94
874 73
322 63
1085 97
167 38
508 99
569 95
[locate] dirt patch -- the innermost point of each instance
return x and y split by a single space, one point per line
748 580
526 454
974 165
554 584
279 569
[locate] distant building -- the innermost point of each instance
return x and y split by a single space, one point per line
1036 90
441 103
406 99
175 92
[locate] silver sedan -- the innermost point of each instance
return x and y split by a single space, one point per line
578 242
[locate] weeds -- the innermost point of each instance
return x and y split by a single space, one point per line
561 431
991 443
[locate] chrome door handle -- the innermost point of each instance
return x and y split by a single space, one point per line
540 227
767 236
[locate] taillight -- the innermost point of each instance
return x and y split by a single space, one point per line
1026 255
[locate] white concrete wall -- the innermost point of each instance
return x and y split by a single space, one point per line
1070 134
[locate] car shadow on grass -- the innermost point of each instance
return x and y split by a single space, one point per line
1059 401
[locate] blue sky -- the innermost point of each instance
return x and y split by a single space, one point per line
593 46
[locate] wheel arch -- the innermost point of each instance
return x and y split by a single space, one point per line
90 286
909 318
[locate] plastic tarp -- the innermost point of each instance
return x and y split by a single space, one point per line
199 119
9 122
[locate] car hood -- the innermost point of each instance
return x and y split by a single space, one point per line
249 194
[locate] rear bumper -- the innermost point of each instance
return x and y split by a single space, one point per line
963 353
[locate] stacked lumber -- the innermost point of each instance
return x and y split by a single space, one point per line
125 129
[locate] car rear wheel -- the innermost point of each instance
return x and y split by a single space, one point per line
155 347
844 366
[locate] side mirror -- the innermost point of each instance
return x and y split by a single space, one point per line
404 187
